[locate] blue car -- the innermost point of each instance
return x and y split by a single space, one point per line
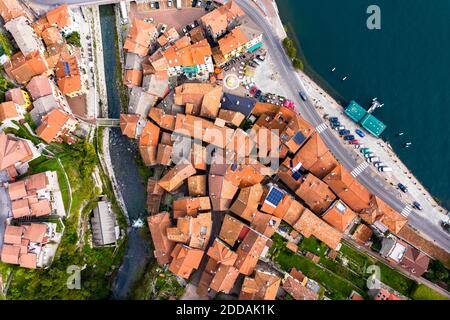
360 133
344 132
349 138
333 119
417 205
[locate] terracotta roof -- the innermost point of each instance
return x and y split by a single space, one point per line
35 232
249 252
154 195
28 260
8 111
380 211
128 124
190 206
197 185
162 119
140 36
316 194
132 78
53 124
13 234
51 36
297 290
185 260
148 143
414 261
224 278
39 86
164 154
221 253
60 16
68 75
175 177
230 230
13 150
289 210
23 69
339 216
264 286
10 254
292 246
362 234
16 190
221 192
158 225
17 95
246 205
232 41
205 98
384 294
348 188
311 225
232 117
265 223
10 9
188 56
219 19
315 157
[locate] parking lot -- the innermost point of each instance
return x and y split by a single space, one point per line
169 16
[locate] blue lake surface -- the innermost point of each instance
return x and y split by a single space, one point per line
406 65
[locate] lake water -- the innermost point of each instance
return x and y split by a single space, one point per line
406 65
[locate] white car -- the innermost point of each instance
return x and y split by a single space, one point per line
152 5
169 3
199 3
163 28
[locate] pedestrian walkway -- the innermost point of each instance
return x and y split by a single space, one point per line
406 211
359 169
321 127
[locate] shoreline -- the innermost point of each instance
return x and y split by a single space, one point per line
311 83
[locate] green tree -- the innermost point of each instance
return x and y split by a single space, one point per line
297 63
74 39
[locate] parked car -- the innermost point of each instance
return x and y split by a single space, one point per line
302 95
163 28
257 94
373 159
378 164
199 3
417 205
349 137
369 154
384 169
253 90
360 133
354 141
333 119
344 132
156 5
338 128
152 5
169 3
260 57
403 187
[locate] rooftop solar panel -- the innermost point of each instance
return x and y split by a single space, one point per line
274 196
299 138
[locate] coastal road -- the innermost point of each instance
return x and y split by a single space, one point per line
293 85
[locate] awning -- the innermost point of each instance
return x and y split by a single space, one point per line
253 48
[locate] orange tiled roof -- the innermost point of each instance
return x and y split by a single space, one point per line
265 223
53 124
60 16
224 278
132 78
140 36
158 225
39 86
221 253
382 212
230 230
148 143
362 234
297 290
311 225
190 206
13 234
188 56
197 185
289 210
348 188
246 204
51 36
185 260
249 252
232 41
162 119
8 110
315 194
128 124
175 177
23 69
339 216
316 157
219 19
264 286
10 9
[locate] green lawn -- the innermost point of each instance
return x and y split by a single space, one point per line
422 292
360 261
337 286
314 246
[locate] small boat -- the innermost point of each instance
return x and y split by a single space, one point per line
400 134
138 223
344 78
374 99
334 69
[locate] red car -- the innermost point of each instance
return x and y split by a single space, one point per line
253 90
288 104
353 142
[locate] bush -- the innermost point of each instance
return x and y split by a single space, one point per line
297 63
74 39
291 51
